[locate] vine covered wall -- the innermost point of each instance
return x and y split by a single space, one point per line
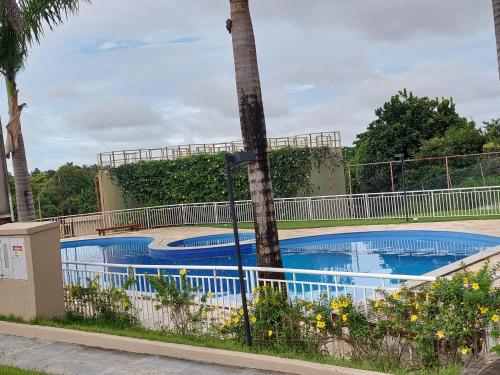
202 178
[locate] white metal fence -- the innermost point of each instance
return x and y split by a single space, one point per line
222 285
482 201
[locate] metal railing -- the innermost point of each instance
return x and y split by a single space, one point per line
221 284
114 159
483 201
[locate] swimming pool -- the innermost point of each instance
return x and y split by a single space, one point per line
388 252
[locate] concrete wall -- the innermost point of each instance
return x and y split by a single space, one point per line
110 194
41 295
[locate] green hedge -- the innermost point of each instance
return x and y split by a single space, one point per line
201 178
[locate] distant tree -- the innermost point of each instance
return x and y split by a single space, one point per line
402 125
21 25
69 190
458 140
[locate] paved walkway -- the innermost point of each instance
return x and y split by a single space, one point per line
68 359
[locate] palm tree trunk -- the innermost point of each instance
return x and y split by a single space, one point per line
496 16
5 207
253 129
24 196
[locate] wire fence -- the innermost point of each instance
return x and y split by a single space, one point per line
447 172
444 203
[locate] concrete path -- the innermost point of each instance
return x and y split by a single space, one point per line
69 359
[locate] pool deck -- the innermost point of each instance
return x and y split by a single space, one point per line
164 236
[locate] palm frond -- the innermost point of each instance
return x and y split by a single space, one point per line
11 14
40 13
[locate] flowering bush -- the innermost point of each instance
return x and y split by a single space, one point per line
92 301
437 324
275 322
444 321
178 299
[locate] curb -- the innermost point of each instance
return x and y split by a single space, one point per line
185 352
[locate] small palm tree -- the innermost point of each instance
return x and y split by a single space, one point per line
21 25
496 15
253 129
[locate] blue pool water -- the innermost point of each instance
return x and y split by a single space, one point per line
390 252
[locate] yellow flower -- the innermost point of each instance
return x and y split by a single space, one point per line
440 334
334 304
466 281
475 286
253 320
344 304
94 286
227 323
125 304
378 304
413 318
240 312
483 309
395 295
394 319
417 305
270 332
344 317
321 324
183 272
236 320
209 294
465 351
256 289
319 317
257 299
495 318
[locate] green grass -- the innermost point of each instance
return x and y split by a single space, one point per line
354 222
7 370
212 341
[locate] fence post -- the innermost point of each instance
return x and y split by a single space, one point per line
367 206
309 207
216 214
433 207
148 222
183 216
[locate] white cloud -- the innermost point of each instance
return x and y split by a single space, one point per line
92 85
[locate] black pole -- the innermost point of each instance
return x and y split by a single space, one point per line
229 164
405 196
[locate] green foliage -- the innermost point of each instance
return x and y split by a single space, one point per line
417 127
91 300
275 322
202 178
177 299
491 130
435 325
457 140
69 190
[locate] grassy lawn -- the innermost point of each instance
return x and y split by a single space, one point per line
355 222
7 370
212 341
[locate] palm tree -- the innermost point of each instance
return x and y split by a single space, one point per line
253 129
496 15
21 25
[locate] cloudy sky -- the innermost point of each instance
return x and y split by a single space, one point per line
150 73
